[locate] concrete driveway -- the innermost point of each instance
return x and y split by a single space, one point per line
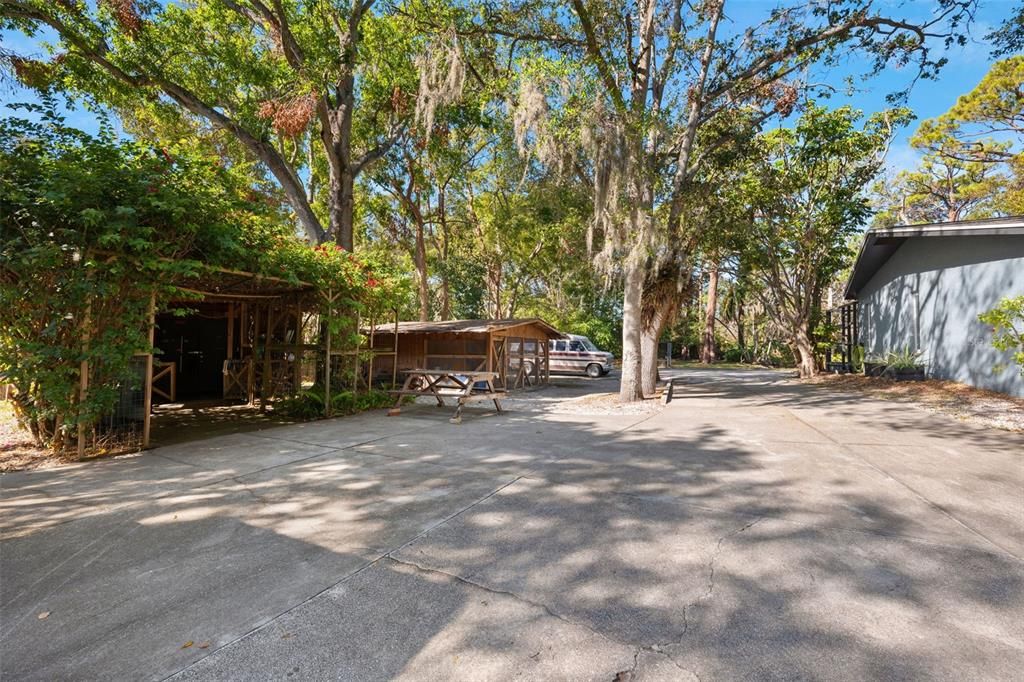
753 529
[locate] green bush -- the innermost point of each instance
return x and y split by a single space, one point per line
309 404
858 358
94 231
900 360
734 354
781 357
1007 321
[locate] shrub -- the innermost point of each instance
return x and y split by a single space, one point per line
1007 321
95 233
309 404
900 360
734 354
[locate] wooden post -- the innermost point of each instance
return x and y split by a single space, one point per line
250 374
243 329
490 351
266 379
369 369
327 356
355 361
83 378
394 361
148 408
231 330
254 341
297 351
547 361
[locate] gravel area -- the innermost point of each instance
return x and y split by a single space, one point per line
572 395
966 403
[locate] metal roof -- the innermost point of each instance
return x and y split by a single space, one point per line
880 243
467 327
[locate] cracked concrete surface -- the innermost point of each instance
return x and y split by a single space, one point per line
753 529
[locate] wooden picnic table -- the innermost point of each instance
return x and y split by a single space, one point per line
448 383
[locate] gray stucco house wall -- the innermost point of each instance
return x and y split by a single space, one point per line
924 292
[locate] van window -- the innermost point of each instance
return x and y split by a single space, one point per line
559 345
577 346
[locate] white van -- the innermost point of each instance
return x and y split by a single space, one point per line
578 355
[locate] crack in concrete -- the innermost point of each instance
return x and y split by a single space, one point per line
628 675
507 593
658 647
620 676
718 551
245 488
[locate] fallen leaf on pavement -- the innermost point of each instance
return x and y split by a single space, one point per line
187 644
43 615
204 645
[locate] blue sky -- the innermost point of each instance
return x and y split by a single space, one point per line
967 65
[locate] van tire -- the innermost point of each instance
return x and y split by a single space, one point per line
593 370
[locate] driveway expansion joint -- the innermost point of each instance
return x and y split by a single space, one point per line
368 564
507 593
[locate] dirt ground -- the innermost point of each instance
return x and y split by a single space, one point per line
968 404
171 424
17 449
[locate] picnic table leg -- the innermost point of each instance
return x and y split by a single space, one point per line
432 385
457 417
490 387
396 409
467 390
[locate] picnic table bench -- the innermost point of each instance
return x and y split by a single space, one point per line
448 383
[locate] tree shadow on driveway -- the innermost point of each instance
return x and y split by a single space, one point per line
562 548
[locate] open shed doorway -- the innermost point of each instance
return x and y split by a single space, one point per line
195 340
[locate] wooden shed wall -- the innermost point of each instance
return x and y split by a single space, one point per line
461 351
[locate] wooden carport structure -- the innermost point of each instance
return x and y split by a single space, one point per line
516 350
259 357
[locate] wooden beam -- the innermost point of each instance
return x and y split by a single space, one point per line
214 294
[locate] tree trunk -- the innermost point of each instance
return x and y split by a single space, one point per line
707 351
649 338
336 134
343 219
741 337
445 298
804 352
631 387
445 289
422 276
